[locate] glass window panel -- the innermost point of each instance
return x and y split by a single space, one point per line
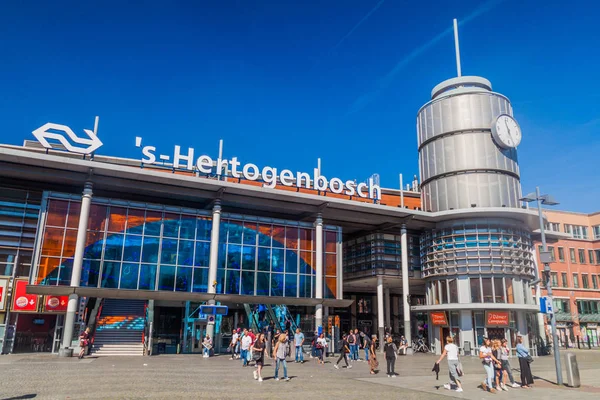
220 280
184 279
223 228
510 295
306 262
147 276
453 283
90 273
278 236
264 261
291 237
330 264
188 227
166 278
48 271
248 283
499 290
291 261
444 288
330 288
171 225
133 248
57 212
135 221
69 243
73 216
203 228
305 239
249 258
53 241
113 250
200 280
277 260
221 259
150 250
263 283
291 285
486 285
202 254
97 218
168 252
235 232
264 235
65 271
276 284
117 218
233 256
129 276
249 232
110 275
153 223
305 286
93 246
330 241
233 281
186 253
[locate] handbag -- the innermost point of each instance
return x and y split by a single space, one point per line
459 369
529 359
256 356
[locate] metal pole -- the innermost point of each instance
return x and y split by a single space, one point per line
456 47
213 261
319 268
405 288
401 193
555 348
380 312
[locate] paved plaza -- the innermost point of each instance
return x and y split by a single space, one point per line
192 377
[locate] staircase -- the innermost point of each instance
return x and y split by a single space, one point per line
119 329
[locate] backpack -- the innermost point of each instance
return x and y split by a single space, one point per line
351 339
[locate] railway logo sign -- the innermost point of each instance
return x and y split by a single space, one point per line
86 144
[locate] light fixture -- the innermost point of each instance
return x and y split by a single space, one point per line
549 200
529 198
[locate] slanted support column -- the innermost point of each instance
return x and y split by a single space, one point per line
319 270
405 288
213 261
84 213
380 311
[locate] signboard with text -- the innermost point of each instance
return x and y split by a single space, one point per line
3 291
21 301
438 318
497 319
56 303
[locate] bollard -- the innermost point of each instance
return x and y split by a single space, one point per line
589 342
572 371
578 344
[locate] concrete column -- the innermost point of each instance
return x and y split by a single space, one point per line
466 330
405 289
522 328
386 304
394 311
213 261
380 311
84 214
319 269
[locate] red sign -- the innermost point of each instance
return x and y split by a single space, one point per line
23 302
497 318
56 303
438 318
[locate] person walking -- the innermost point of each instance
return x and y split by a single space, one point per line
344 351
280 353
357 344
488 360
498 372
391 352
505 352
258 354
233 343
84 342
246 343
207 346
321 347
373 363
352 344
451 351
524 361
298 342
366 345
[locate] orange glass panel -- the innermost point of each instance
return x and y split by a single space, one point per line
278 236
97 219
47 265
291 237
153 216
116 222
70 240
57 212
74 211
330 264
331 284
135 218
307 257
330 241
306 240
93 237
52 242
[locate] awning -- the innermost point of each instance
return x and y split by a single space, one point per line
181 296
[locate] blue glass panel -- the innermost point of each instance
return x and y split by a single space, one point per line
200 280
168 252
152 228
248 283
65 269
129 276
202 256
291 262
262 284
291 285
150 249
114 247
203 227
166 278
133 248
147 277
264 260
233 256
184 279
304 286
248 257
233 282
235 232
188 227
220 280
90 273
249 233
276 284
171 225
223 230
186 252
277 260
222 255
471 244
305 260
94 249
264 235
110 274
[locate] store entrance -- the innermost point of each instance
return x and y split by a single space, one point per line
198 334
36 333
496 333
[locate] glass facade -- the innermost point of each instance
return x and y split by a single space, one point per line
133 246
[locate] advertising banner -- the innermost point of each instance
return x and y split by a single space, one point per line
3 291
439 318
56 303
21 301
497 319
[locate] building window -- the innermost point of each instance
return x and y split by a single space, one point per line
453 283
572 255
584 281
575 281
563 276
552 256
553 226
591 256
487 289
554 279
581 256
597 256
561 305
475 290
596 232
561 254
594 282
577 231
499 290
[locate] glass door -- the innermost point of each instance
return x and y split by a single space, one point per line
58 333
198 333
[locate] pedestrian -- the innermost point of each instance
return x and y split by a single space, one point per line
391 352
321 348
84 342
280 353
403 344
366 345
524 363
451 351
344 351
246 343
505 351
298 342
351 344
233 343
357 344
373 363
488 361
207 346
258 354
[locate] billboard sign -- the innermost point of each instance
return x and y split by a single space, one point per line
3 291
438 318
21 301
497 319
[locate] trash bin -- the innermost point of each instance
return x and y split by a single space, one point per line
572 371
467 348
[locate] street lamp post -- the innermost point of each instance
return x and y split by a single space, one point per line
545 259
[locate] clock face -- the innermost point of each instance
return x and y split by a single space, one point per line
506 132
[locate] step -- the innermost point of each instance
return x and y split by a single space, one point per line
118 346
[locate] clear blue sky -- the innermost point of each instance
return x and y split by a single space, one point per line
285 82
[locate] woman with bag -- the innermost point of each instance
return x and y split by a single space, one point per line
280 353
451 350
525 360
321 347
258 355
391 352
488 360
84 342
373 363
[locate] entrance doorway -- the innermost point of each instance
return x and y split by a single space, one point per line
198 334
35 333
496 333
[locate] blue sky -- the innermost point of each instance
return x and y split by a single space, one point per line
286 82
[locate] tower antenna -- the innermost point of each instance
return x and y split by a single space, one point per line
456 47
